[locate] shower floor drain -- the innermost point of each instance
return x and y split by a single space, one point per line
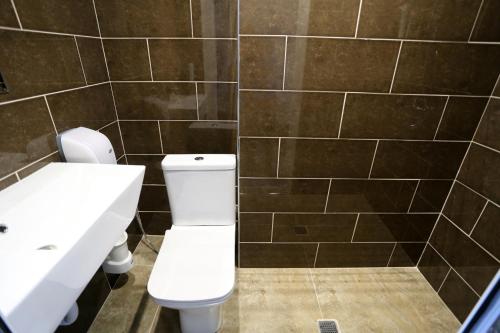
328 326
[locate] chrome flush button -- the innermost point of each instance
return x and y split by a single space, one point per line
3 228
198 158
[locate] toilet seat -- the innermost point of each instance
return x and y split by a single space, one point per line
195 267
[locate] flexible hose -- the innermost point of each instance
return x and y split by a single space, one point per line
144 237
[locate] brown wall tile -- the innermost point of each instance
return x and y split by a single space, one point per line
7 14
277 255
214 18
56 65
27 134
113 134
127 59
463 207
154 172
423 19
406 254
430 195
93 61
487 27
255 227
153 198
261 62
194 137
418 159
156 223
193 59
283 195
313 227
217 101
155 100
466 69
488 132
6 182
258 157
89 107
141 137
147 18
337 64
394 227
460 118
460 303
487 232
38 165
265 113
353 254
433 267
370 195
391 116
293 17
325 158
75 17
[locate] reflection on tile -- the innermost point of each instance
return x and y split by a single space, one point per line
156 223
391 116
337 64
141 137
258 157
433 267
6 182
283 195
264 113
277 255
430 195
487 232
166 320
463 207
488 133
467 69
437 20
255 227
113 134
93 61
487 27
460 303
7 14
38 165
217 101
127 59
154 172
214 18
313 227
155 100
153 198
143 255
294 17
406 254
353 254
193 59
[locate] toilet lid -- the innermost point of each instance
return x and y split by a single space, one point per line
194 264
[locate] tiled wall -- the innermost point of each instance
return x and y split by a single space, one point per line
355 117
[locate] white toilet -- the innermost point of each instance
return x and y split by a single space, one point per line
195 268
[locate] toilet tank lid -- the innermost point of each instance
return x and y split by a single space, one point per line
201 162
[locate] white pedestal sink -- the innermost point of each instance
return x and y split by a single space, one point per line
61 221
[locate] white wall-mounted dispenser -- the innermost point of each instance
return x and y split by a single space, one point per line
83 145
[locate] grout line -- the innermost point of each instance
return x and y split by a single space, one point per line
81 62
17 15
284 62
180 120
161 140
475 20
342 115
190 38
357 20
149 58
322 242
441 119
487 147
238 123
107 125
354 230
476 192
314 287
46 32
392 252
157 313
413 197
191 17
373 160
197 102
395 67
341 213
173 81
17 176
50 114
323 138
442 283
328 194
478 218
316 256
15 173
278 162
272 227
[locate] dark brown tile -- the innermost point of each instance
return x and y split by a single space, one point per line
353 254
148 18
255 227
487 232
89 107
113 134
391 116
35 63
406 254
487 27
7 14
467 258
141 137
488 132
277 255
408 19
394 227
460 118
258 157
338 64
463 207
466 69
93 61
75 17
156 223
38 165
285 17
325 158
27 134
433 267
217 101
265 113
214 18
261 62
198 137
154 172
430 195
193 59
418 159
6 182
167 320
127 59
459 298
313 227
155 100
153 198
481 171
370 195
283 195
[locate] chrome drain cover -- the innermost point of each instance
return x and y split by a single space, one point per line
328 326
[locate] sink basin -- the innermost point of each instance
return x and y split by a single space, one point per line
62 221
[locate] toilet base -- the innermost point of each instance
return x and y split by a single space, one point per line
201 320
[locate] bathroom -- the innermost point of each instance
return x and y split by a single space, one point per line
345 153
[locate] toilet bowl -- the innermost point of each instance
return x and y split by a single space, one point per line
195 269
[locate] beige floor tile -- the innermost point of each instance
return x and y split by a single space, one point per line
381 300
143 255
